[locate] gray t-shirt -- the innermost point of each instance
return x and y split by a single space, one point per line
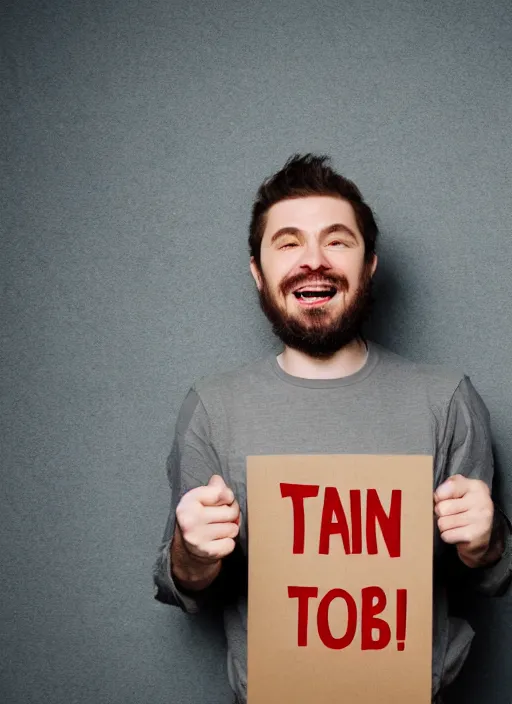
390 406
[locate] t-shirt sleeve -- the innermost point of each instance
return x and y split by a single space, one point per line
191 463
467 450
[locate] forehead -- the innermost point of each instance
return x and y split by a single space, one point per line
310 214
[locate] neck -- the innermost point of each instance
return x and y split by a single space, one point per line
349 360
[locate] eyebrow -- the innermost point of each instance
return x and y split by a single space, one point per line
335 227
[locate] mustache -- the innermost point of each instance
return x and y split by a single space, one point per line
338 280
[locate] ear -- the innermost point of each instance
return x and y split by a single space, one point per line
256 274
375 260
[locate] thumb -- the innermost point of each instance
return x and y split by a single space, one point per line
225 495
455 487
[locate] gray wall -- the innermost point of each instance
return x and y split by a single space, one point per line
135 135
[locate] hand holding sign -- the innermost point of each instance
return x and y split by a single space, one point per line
465 513
208 518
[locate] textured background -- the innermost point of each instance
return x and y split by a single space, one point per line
135 135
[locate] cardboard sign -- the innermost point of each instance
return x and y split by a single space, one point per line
340 579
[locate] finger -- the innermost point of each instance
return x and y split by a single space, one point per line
453 488
222 547
459 520
217 481
457 536
219 531
226 496
213 550
212 495
220 514
199 540
449 507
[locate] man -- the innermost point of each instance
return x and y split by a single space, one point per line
312 244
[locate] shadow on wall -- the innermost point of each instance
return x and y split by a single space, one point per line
394 318
389 305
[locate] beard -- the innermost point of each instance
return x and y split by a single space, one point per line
317 332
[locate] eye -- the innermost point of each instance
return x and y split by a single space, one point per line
337 243
288 244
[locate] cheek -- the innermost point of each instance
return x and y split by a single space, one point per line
353 271
273 275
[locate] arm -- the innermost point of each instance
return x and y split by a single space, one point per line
180 577
476 530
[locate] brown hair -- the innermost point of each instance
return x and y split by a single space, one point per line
309 175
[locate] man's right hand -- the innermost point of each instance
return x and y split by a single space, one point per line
207 523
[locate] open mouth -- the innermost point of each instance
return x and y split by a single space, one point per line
315 295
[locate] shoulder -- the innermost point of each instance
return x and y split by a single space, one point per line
232 381
456 405
438 381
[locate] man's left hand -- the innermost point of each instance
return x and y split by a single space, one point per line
465 512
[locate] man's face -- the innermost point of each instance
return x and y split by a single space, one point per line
314 283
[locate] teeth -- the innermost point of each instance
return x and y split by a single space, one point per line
314 294
312 299
318 290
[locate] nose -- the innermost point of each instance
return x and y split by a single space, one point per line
314 257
